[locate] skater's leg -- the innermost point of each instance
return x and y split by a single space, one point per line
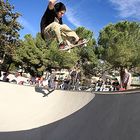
56 28
68 32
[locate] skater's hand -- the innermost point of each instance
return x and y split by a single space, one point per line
51 4
53 1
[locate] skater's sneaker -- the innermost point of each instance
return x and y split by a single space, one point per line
62 46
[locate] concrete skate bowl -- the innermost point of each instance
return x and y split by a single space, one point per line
64 115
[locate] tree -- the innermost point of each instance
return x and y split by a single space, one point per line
9 28
61 59
35 57
87 54
121 44
32 55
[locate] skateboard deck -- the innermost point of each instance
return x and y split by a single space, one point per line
70 46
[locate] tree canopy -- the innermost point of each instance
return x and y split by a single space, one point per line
118 46
121 43
9 30
34 54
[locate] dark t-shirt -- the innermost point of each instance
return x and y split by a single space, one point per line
99 83
115 83
48 18
73 74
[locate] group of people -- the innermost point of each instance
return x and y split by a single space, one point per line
72 81
107 85
116 85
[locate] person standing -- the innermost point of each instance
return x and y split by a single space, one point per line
126 79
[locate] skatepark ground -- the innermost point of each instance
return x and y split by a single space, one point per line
26 114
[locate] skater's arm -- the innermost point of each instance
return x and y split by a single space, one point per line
51 4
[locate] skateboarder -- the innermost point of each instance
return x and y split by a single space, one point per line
52 22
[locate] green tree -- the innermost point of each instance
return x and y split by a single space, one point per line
87 54
31 55
9 28
121 43
35 57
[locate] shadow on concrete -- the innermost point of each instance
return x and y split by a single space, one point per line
43 91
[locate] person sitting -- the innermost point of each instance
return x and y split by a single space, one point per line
107 85
99 85
116 85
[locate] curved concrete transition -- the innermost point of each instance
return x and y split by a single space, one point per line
64 115
22 108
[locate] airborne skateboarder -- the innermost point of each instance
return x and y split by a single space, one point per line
52 22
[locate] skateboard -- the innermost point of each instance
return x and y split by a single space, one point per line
70 46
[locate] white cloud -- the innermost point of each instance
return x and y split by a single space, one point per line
72 17
73 13
26 25
127 8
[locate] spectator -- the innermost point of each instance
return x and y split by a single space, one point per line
73 75
33 80
126 81
116 85
66 83
78 78
52 79
107 85
99 85
5 79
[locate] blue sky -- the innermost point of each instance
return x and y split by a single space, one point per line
91 14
